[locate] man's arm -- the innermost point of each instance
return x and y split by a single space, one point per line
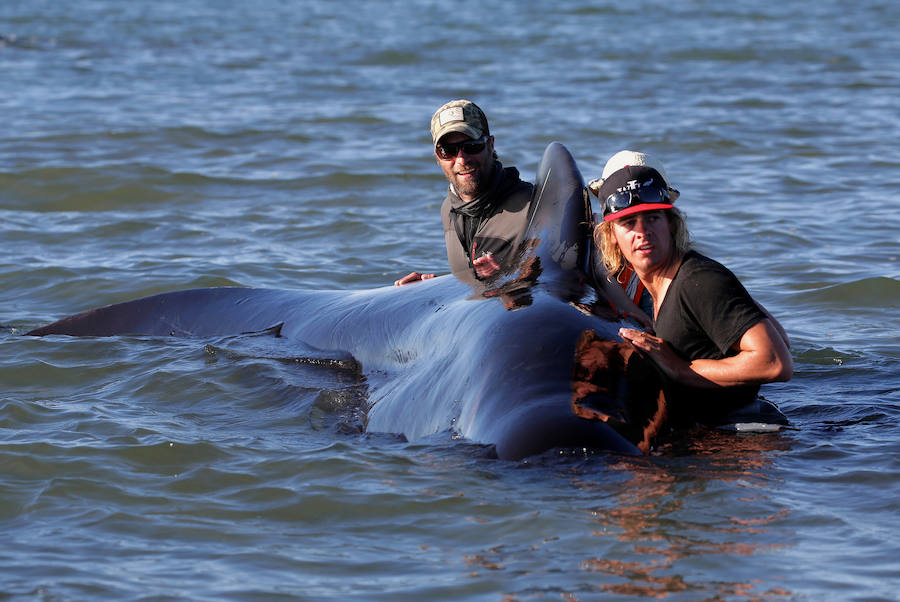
762 357
625 307
412 277
775 323
485 266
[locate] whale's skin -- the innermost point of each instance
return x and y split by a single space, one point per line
495 362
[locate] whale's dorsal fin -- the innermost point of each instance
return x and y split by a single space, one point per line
560 211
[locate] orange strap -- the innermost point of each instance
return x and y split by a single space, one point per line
624 277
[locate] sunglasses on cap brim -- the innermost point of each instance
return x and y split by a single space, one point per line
650 195
450 150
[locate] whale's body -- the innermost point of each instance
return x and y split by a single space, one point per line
515 363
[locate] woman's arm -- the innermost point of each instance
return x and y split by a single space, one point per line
762 357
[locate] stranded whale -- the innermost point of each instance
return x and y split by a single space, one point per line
514 362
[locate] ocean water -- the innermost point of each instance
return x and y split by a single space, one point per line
148 147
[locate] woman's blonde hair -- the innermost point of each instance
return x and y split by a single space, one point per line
611 254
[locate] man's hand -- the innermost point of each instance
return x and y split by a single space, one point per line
485 266
658 350
412 277
762 357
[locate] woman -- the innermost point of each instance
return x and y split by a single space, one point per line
711 338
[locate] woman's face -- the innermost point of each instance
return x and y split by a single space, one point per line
645 239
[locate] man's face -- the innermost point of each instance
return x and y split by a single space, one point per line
645 240
468 173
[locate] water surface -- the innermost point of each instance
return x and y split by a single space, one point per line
149 147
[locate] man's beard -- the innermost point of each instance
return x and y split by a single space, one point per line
470 186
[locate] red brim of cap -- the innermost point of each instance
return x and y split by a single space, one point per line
637 209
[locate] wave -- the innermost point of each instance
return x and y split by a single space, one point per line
877 292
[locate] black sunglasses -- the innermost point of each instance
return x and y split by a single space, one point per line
449 150
629 198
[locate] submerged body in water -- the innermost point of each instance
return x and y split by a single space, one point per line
516 362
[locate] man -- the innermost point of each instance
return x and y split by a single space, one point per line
486 209
711 338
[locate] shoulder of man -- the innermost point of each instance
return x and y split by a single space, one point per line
697 265
450 200
515 192
702 281
717 300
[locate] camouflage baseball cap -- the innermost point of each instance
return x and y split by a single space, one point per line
462 116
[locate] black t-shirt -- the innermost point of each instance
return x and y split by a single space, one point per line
707 310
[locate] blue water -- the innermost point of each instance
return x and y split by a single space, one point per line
148 147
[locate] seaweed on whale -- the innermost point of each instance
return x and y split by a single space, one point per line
527 374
